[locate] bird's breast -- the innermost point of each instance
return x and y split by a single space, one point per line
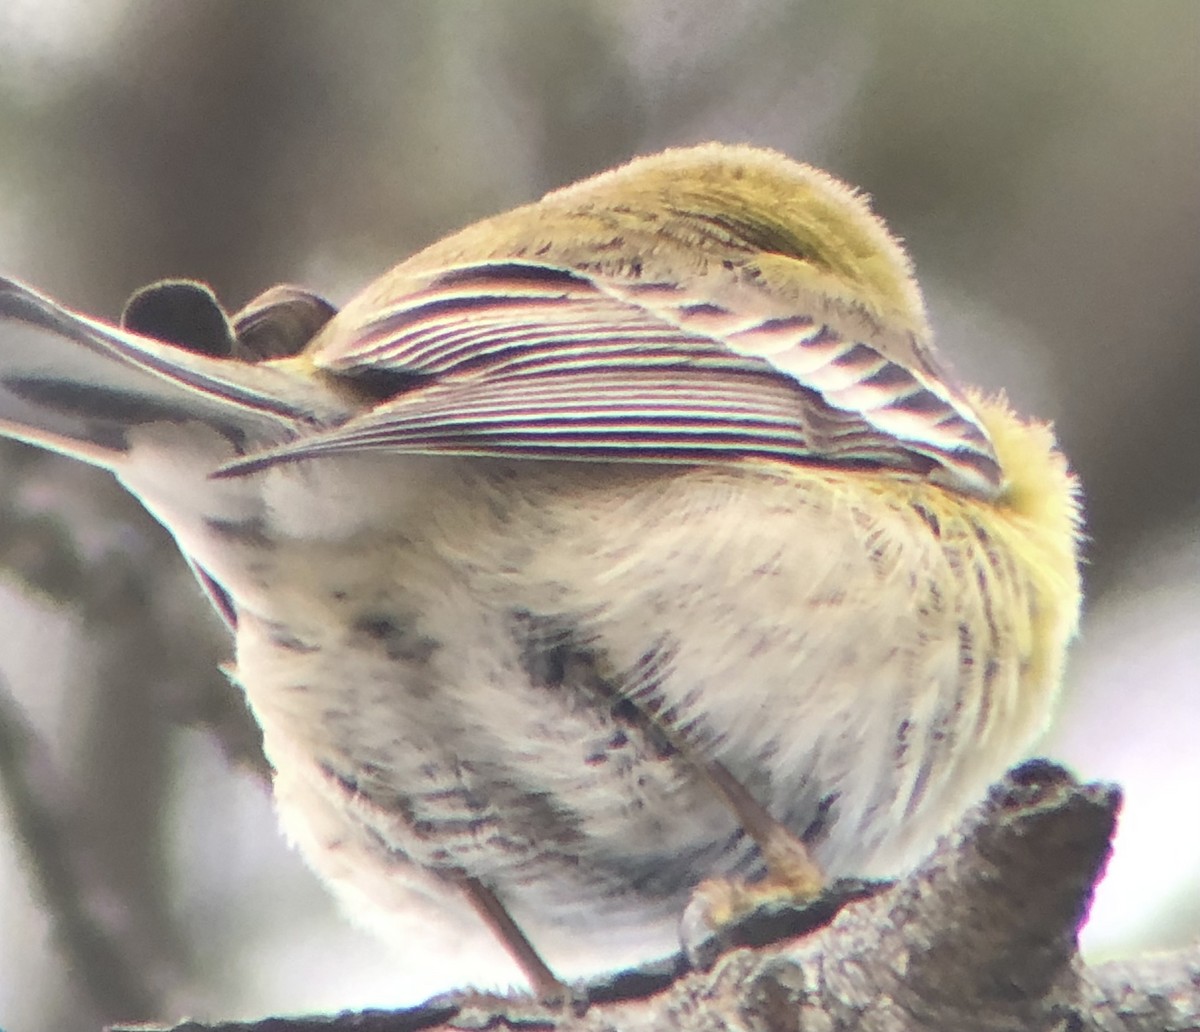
515 673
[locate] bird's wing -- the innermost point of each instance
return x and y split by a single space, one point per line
518 359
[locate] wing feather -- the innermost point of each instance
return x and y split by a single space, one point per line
518 359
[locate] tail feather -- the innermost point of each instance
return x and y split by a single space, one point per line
76 385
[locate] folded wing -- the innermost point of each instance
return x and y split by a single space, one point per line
519 359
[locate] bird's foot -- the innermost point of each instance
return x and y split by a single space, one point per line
725 913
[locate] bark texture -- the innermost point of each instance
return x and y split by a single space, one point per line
982 937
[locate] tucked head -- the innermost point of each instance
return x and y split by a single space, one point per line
775 206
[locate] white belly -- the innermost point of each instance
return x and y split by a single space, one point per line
476 685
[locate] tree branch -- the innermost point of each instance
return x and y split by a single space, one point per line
70 881
982 936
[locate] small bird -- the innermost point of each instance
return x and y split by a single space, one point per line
624 546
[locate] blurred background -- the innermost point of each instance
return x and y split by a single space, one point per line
1041 160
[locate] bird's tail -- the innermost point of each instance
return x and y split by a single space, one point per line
77 385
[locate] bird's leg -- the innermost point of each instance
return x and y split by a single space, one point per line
499 921
792 874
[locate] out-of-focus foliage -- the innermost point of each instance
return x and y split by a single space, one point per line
1042 160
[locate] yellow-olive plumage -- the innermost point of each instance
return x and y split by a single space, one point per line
653 478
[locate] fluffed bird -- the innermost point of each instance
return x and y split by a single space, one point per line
629 541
